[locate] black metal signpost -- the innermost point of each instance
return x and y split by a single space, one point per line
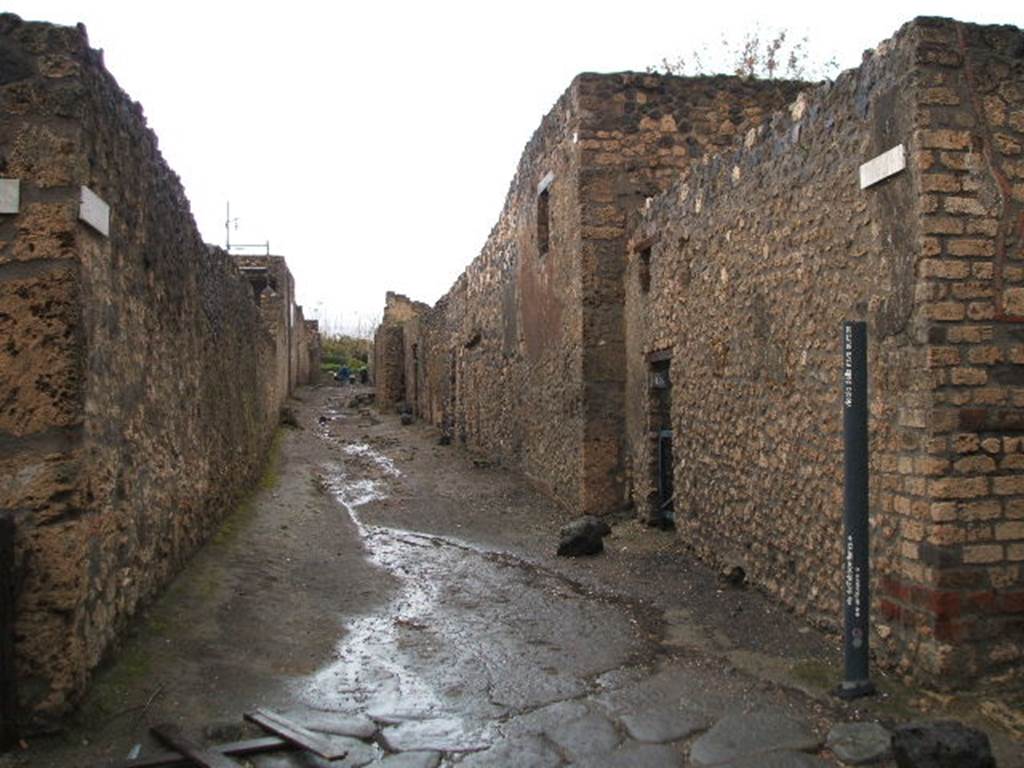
856 574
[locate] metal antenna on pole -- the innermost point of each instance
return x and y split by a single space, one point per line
228 221
227 232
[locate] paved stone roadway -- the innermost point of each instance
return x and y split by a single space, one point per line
483 660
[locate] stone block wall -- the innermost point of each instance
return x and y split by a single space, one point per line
137 394
389 363
524 358
274 290
741 276
309 363
640 133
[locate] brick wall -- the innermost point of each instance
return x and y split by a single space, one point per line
960 585
743 273
137 375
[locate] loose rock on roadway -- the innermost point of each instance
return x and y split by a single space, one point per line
405 600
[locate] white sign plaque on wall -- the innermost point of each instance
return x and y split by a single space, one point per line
10 195
882 167
94 212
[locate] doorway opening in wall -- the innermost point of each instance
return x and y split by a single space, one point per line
661 499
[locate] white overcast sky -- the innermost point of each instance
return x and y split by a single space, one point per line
372 143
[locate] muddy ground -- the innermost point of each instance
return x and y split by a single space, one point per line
404 596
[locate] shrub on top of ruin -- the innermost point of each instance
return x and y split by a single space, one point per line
756 55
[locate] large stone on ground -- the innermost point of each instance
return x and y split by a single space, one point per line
859 743
412 760
752 735
632 754
583 536
941 744
525 752
664 724
584 739
783 759
443 734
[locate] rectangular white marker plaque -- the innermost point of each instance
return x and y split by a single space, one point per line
94 212
10 195
882 167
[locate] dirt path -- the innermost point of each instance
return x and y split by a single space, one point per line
403 596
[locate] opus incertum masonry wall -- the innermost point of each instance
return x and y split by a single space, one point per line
666 337
140 374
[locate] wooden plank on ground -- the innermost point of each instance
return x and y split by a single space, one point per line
296 734
235 748
8 681
202 756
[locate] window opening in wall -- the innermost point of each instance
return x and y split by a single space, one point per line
645 269
543 221
662 498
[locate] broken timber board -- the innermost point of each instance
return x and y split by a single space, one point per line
238 748
199 755
296 734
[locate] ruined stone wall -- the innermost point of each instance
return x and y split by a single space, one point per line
275 291
313 354
743 274
389 346
135 404
302 340
639 133
524 359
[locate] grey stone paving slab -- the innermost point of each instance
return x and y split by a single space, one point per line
784 759
586 738
523 752
446 734
359 754
632 754
664 724
859 743
412 760
546 717
356 726
670 687
745 735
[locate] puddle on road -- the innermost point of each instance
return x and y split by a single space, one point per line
364 451
469 638
370 673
